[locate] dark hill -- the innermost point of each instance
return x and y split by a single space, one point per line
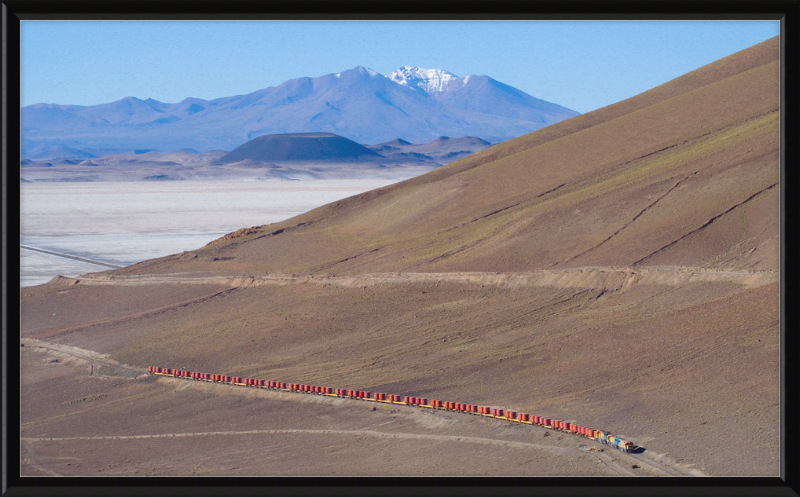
299 147
443 149
445 144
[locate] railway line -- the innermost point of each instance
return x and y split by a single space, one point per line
502 414
91 358
600 436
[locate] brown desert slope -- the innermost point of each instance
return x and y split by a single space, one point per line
617 270
684 174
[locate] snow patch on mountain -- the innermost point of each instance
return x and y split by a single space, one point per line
429 81
367 70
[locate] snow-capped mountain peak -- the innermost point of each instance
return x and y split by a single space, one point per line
358 104
430 81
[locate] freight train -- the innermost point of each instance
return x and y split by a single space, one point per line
601 436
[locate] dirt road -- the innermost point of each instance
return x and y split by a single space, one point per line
606 278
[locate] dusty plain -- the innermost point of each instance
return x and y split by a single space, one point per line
619 270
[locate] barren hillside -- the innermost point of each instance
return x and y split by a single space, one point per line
618 269
677 175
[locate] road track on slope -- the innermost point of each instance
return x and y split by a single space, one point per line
90 357
607 461
608 278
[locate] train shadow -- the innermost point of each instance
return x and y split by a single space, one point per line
638 450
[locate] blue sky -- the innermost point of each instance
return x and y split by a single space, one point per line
582 65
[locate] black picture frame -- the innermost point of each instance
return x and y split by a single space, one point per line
787 11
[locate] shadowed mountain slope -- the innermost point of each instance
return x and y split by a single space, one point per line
443 150
675 176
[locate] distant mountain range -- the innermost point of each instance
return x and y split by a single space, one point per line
413 104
